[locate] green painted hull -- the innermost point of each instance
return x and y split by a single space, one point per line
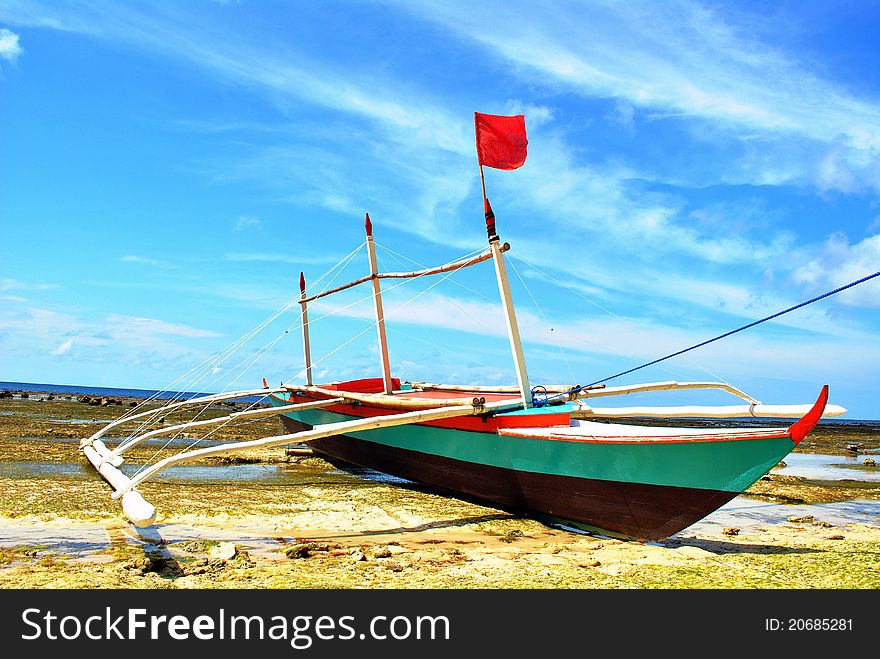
646 487
725 465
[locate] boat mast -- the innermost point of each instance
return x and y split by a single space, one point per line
519 360
307 351
380 314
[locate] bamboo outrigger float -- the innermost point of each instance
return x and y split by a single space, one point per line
540 449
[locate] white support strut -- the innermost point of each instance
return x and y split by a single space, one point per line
440 269
665 386
247 414
307 350
584 411
191 401
380 313
519 360
317 432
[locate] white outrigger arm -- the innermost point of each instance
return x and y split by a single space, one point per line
143 514
137 509
755 408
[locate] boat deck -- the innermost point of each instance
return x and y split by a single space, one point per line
454 395
591 431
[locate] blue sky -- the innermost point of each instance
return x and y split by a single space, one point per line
168 168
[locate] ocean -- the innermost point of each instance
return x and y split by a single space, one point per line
871 426
109 392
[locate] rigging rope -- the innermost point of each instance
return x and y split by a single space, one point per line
712 340
263 351
212 363
544 316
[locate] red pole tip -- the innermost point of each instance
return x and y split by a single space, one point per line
302 283
490 220
369 225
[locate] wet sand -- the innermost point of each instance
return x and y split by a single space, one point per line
279 521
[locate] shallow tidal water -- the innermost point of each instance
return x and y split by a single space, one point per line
749 514
818 466
60 528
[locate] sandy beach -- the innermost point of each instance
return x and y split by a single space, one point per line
277 520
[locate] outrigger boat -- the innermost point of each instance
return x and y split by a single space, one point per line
546 450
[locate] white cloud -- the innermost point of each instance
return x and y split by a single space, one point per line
270 257
62 348
536 115
840 263
10 50
685 59
133 258
38 344
8 284
136 327
598 341
623 114
277 68
245 222
595 202
48 325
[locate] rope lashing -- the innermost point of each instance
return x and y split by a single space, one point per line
539 395
708 341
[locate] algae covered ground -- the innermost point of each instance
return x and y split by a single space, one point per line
271 519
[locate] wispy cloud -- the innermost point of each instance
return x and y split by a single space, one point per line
270 257
8 284
138 327
685 59
46 324
394 129
602 340
246 222
62 348
275 67
144 260
35 338
840 263
10 50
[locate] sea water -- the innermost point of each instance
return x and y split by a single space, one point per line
108 392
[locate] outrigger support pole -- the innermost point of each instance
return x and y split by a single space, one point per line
200 400
222 420
477 406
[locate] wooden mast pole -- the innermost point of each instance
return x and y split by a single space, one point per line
307 350
519 360
380 313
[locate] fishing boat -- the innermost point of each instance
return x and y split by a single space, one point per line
547 450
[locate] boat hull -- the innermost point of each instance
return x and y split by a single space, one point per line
636 510
643 491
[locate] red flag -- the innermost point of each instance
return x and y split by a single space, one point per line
501 140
